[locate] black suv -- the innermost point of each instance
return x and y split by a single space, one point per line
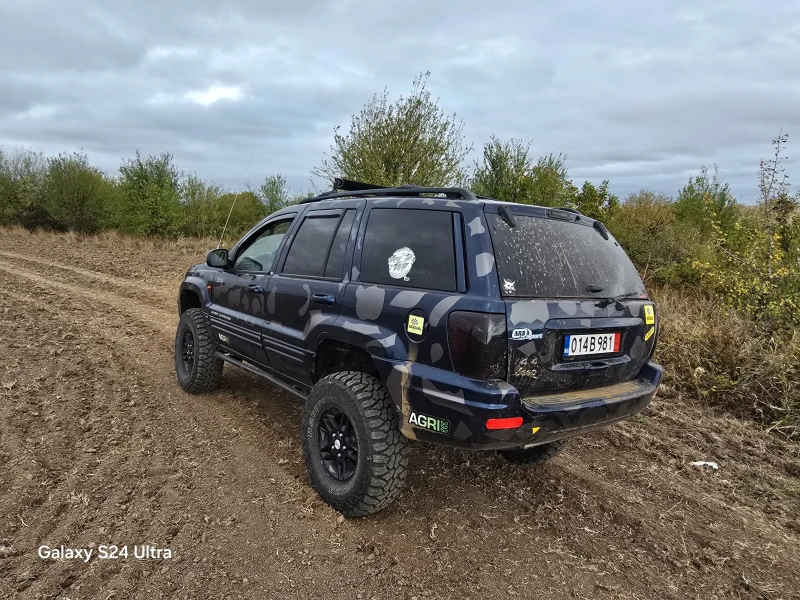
424 314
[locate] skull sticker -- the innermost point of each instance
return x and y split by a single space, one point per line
400 263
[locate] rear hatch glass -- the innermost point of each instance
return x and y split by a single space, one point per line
565 334
550 258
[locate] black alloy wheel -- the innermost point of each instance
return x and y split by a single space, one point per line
338 444
187 351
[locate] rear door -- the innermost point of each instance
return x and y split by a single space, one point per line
305 294
238 294
578 315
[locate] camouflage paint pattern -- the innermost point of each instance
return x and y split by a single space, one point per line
282 327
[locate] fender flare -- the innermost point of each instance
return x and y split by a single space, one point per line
197 286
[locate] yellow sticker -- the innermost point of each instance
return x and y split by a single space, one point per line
415 324
535 429
649 315
649 333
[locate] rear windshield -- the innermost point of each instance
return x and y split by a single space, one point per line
547 258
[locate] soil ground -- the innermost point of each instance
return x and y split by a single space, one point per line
99 445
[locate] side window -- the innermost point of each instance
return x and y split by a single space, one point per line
412 248
318 249
335 266
260 254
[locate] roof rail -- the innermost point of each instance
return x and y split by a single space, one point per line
358 189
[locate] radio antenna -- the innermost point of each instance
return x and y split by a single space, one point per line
235 198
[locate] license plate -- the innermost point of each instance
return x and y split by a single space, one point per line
591 343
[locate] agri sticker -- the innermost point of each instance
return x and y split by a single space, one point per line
429 423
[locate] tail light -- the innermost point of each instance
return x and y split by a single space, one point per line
507 423
478 344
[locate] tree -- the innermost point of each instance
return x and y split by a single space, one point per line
22 175
274 194
150 196
203 213
408 141
77 195
596 202
755 265
706 201
247 211
551 183
506 172
775 202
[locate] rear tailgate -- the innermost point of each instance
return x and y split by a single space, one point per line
542 335
577 312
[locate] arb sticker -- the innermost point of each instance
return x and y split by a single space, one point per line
430 423
415 324
649 333
649 315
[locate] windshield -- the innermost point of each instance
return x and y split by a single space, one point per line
547 258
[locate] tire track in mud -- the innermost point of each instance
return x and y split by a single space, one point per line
468 525
117 281
163 321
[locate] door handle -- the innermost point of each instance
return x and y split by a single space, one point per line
325 299
255 289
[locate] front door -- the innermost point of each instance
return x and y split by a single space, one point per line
238 294
305 294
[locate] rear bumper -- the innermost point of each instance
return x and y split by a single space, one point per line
443 408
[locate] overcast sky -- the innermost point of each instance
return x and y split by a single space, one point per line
641 93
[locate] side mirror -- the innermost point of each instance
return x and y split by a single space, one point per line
217 258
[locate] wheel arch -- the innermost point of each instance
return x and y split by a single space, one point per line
334 355
193 294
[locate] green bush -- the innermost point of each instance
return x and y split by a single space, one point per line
76 195
22 177
203 212
150 196
659 244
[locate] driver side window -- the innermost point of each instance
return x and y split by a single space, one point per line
260 254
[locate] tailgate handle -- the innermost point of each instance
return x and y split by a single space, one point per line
326 299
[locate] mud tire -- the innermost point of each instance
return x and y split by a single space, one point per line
205 374
382 461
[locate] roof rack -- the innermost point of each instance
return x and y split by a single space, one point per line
357 188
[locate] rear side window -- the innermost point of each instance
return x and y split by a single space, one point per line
319 248
547 258
411 248
335 265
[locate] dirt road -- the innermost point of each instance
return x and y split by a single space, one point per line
99 445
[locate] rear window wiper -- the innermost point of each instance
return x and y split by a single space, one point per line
606 301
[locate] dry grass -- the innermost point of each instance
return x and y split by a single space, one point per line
721 357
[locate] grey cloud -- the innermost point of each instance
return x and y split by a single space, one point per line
641 94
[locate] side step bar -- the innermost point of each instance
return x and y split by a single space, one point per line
261 373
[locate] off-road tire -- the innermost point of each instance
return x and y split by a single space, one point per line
206 372
382 460
534 456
